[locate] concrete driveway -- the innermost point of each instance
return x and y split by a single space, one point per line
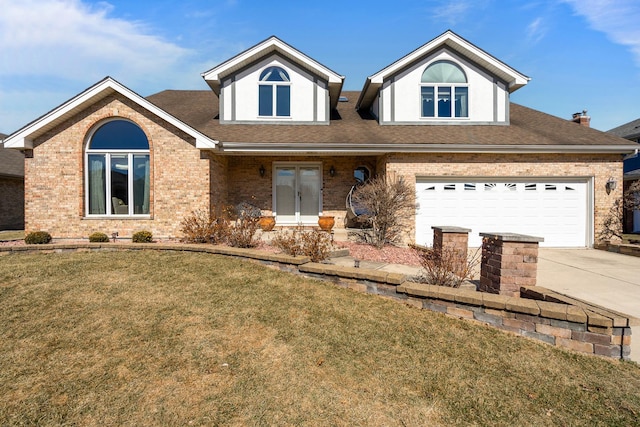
604 278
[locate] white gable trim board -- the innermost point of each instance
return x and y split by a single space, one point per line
558 209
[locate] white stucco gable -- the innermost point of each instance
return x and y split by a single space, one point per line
314 88
23 138
393 93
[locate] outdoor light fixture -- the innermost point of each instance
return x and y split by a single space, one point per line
611 184
332 171
262 171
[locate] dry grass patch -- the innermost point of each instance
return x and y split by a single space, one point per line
11 235
147 338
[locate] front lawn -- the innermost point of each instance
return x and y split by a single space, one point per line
168 338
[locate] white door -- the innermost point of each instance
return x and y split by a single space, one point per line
297 194
556 211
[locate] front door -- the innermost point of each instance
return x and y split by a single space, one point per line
297 193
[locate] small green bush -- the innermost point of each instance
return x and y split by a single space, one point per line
142 237
98 237
37 238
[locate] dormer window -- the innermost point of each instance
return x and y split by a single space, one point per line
444 91
274 93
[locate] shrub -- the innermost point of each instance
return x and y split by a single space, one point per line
142 237
315 244
389 203
203 227
98 237
445 266
287 242
245 219
37 238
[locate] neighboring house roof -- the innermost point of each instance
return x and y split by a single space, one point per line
351 131
214 76
24 137
629 130
451 40
11 161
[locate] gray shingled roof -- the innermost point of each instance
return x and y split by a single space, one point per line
629 130
11 161
199 109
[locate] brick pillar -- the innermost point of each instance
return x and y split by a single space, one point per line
450 245
451 238
509 261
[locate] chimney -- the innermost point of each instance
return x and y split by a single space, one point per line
581 118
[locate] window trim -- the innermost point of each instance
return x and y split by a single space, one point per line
274 94
107 158
452 88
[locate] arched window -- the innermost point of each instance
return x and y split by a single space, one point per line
442 82
274 93
117 170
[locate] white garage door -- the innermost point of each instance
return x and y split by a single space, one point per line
556 211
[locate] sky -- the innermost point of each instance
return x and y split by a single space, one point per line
579 54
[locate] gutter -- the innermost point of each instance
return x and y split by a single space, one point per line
336 148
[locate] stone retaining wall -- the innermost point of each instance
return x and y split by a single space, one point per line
541 314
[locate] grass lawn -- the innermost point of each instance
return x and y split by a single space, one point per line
148 338
11 235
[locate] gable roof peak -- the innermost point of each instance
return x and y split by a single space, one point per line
217 74
458 44
24 137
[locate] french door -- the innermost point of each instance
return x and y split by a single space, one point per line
297 196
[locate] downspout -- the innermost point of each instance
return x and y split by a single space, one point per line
632 155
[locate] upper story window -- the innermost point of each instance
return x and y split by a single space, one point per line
444 91
117 170
274 93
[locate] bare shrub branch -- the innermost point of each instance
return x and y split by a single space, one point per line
446 266
315 244
205 227
389 203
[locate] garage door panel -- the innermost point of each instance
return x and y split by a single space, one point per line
556 211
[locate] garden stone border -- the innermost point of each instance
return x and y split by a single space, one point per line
540 314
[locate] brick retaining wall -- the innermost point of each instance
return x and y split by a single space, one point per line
544 315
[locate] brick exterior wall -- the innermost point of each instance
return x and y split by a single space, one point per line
246 184
601 167
11 203
54 182
184 178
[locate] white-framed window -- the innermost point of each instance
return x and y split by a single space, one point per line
274 93
444 91
117 172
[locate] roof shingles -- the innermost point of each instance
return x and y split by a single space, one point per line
199 109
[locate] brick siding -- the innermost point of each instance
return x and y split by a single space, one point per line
54 176
184 178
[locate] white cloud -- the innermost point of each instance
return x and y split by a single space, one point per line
68 39
60 47
618 19
452 11
536 30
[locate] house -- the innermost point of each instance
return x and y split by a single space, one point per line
276 129
11 188
630 131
